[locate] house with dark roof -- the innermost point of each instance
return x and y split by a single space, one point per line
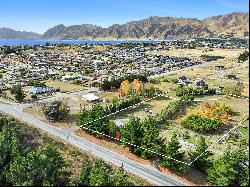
201 83
183 80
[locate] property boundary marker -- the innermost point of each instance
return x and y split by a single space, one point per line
152 151
239 124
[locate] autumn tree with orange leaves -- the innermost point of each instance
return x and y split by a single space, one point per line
125 88
137 86
217 110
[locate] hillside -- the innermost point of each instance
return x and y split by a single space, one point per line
10 34
234 24
228 25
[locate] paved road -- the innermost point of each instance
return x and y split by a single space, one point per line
147 172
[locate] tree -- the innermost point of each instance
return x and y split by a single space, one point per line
53 166
99 175
120 178
217 110
34 96
230 169
149 92
36 83
201 124
203 162
9 148
19 172
171 152
137 86
132 133
38 168
238 88
221 173
85 171
95 116
56 111
150 139
188 99
125 88
18 93
243 56
112 129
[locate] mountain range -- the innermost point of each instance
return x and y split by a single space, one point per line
158 28
10 34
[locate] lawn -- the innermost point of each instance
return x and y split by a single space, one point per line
155 105
63 86
195 53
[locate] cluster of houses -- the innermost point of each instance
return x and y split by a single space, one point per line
183 80
85 68
90 67
232 43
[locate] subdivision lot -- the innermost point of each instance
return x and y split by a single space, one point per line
154 105
63 86
194 53
240 107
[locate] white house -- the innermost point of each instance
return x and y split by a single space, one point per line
90 97
39 90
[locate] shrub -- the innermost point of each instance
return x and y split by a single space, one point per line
56 111
200 124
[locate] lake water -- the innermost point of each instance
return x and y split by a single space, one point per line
43 42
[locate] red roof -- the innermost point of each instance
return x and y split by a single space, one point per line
65 63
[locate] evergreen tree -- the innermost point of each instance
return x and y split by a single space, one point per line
85 171
9 149
150 139
120 178
99 175
54 166
38 168
204 161
18 93
132 133
221 173
94 115
172 152
230 169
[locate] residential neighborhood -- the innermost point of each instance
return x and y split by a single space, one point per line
124 93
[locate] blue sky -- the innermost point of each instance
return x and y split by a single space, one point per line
39 15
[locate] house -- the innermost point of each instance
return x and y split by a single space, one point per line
201 83
219 67
231 76
90 97
39 89
3 87
182 80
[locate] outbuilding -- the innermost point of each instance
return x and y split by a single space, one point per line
90 97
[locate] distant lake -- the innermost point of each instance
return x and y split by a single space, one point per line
43 42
